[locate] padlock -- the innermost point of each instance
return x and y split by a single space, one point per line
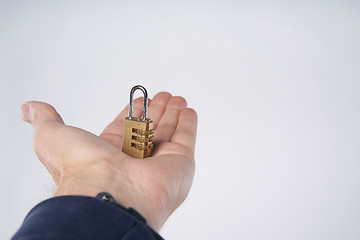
138 132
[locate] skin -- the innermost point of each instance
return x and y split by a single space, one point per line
82 163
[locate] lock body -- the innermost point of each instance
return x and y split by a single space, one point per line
138 137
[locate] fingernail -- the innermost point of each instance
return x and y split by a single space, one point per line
25 112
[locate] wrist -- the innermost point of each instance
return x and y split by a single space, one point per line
87 183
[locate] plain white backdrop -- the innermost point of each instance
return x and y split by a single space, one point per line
276 86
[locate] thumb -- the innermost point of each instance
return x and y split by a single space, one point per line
36 112
45 121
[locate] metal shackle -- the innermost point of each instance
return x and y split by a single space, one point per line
132 101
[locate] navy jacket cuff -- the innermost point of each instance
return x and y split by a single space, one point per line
81 217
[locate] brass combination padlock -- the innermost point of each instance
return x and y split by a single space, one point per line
138 132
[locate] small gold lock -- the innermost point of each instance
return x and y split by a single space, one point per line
138 132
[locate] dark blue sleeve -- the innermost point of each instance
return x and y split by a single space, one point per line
80 217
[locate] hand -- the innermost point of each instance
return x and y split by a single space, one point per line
82 163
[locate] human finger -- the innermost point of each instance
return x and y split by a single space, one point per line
168 121
35 112
157 106
46 122
185 133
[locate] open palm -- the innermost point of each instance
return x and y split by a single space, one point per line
154 186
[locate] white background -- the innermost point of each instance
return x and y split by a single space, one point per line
276 86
